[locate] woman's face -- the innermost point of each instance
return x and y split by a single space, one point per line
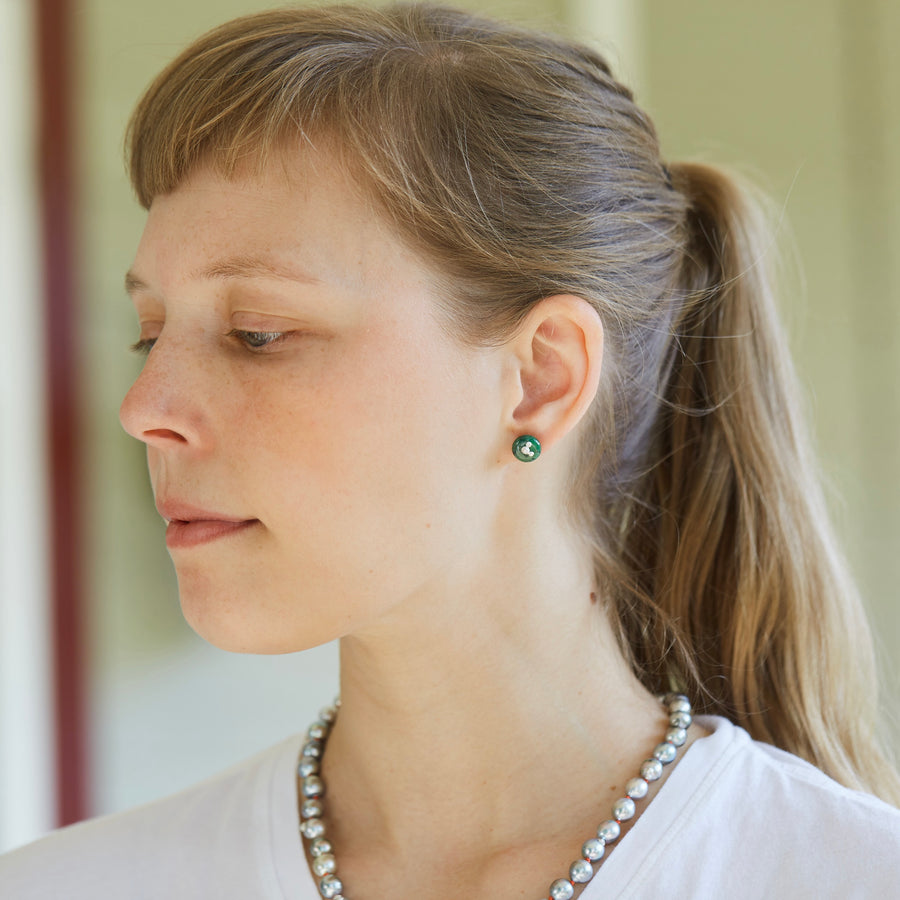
323 449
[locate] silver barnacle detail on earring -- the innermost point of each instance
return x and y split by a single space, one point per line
311 790
526 448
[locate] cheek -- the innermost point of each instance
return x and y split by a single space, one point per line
373 446
355 406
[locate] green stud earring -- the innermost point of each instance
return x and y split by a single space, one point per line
526 448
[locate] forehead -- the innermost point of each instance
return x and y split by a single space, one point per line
301 212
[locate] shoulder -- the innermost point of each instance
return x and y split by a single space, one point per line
777 784
742 819
183 845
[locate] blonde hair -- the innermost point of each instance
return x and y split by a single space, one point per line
521 168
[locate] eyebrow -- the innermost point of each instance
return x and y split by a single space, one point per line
133 284
233 268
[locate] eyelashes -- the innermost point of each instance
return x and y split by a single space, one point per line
256 340
143 346
252 340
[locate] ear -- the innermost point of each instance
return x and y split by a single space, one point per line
558 352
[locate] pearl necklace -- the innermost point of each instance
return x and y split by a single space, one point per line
311 790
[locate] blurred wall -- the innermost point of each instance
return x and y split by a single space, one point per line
776 86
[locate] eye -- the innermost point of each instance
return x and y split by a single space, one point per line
256 340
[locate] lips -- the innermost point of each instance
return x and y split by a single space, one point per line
181 535
191 526
172 510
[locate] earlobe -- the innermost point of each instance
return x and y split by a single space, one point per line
559 351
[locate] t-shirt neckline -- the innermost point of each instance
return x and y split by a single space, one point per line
679 796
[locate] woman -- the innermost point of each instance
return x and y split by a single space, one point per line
445 362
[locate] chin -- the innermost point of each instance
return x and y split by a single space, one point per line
228 621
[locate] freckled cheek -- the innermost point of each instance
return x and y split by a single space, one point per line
291 421
270 425
343 414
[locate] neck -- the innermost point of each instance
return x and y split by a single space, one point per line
464 721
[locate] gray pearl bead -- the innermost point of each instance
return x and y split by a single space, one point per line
676 736
324 864
312 829
581 871
313 786
623 808
318 731
593 849
637 788
328 714
561 889
330 887
308 765
608 831
312 809
681 720
678 703
320 846
651 769
664 752
313 749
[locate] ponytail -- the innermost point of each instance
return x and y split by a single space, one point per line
738 593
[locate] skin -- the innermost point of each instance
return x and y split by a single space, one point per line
482 690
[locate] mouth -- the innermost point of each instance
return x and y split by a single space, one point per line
182 534
191 527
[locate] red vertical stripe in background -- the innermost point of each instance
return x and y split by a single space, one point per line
55 58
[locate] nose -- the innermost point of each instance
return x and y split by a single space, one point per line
163 408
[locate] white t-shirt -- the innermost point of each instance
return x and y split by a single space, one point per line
735 819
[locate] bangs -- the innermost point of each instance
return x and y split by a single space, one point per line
374 82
